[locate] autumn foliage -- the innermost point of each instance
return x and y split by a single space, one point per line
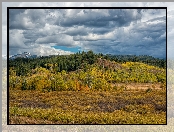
102 75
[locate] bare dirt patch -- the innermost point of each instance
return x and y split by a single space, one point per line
138 86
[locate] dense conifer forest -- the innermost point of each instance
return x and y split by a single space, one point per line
75 61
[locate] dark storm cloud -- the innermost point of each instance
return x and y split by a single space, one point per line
17 19
101 30
103 46
151 34
33 35
151 28
96 24
163 18
110 31
77 31
26 19
95 18
15 12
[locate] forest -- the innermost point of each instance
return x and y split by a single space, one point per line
87 88
84 70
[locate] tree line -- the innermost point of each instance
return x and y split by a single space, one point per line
73 62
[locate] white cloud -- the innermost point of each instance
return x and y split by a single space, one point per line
16 39
44 50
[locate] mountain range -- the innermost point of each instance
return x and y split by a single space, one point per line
23 55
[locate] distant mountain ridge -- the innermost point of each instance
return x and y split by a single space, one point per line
23 55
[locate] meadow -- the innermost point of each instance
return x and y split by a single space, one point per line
85 107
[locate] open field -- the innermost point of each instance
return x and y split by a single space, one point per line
130 106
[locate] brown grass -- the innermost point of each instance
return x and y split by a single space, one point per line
87 105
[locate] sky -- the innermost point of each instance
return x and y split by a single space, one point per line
107 31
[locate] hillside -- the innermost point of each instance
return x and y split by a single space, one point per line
75 61
84 70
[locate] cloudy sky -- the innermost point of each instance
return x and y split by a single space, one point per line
107 31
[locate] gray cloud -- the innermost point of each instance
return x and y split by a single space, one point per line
99 18
74 31
18 20
110 31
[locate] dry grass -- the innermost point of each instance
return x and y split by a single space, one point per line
87 107
138 86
